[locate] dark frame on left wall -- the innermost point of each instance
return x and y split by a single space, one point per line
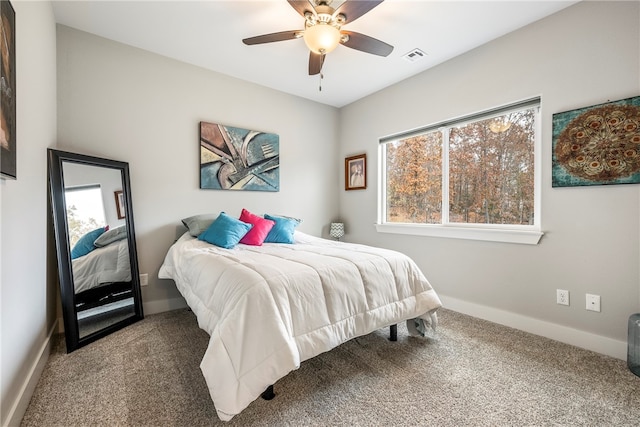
8 140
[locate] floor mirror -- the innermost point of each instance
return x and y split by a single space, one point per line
95 243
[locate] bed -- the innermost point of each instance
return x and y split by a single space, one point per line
102 270
268 308
102 266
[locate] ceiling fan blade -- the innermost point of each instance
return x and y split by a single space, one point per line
273 37
367 44
354 9
315 63
301 6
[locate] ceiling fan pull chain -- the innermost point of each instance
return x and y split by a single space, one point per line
320 84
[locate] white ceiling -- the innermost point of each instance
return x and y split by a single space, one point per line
209 34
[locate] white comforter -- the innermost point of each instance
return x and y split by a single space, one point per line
102 266
268 308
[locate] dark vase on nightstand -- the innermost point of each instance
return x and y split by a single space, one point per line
633 350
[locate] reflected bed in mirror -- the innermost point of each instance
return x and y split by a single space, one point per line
97 259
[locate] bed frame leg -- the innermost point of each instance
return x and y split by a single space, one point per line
393 333
268 394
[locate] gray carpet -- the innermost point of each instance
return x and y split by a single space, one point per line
471 373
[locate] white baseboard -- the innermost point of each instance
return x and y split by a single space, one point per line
586 340
567 335
160 306
19 407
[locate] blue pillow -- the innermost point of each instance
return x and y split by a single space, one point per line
85 244
282 231
225 231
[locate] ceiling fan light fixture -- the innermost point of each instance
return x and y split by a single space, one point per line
321 38
322 31
499 125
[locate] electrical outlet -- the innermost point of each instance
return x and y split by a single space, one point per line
562 297
593 302
144 279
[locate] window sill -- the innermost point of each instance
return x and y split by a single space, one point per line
488 234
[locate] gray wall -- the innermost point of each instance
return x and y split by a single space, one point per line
120 102
123 103
28 286
584 55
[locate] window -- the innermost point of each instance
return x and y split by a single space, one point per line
475 177
85 210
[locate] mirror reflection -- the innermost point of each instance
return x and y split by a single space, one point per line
101 271
95 243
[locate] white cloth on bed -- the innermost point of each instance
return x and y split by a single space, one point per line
268 308
102 266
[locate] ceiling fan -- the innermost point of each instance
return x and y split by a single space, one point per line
323 30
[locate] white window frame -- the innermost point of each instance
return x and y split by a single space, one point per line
522 234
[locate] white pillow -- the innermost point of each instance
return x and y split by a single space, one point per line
111 236
199 223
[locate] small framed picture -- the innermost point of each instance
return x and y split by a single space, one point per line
355 172
120 209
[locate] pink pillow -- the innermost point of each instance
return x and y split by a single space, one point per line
259 231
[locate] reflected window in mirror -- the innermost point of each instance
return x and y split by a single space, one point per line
85 210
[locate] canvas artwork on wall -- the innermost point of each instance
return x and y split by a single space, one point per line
8 91
238 159
597 145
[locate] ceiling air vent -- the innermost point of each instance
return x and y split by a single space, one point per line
414 55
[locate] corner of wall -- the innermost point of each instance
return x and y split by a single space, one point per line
16 412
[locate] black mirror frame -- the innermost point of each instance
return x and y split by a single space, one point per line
67 293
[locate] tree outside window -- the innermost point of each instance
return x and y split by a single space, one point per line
85 211
474 171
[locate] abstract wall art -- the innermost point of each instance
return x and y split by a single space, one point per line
232 158
597 145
